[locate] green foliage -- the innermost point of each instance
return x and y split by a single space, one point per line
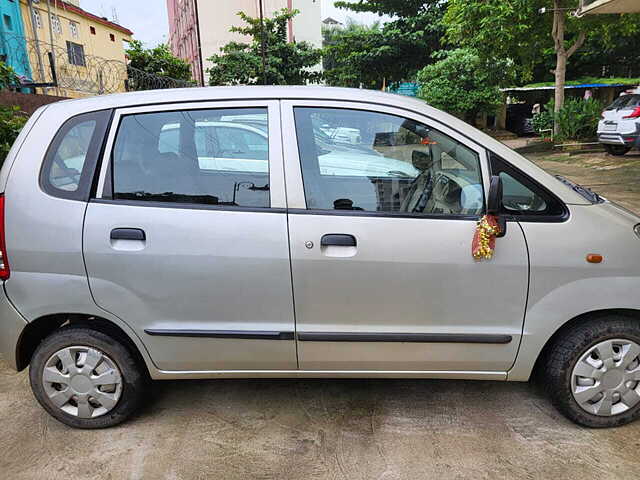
578 119
286 63
397 8
11 122
516 30
8 77
543 123
352 56
158 61
388 53
461 83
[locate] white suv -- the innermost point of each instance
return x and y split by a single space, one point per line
619 129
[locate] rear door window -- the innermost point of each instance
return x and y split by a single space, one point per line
214 157
71 160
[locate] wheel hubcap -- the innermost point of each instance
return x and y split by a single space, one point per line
606 379
82 381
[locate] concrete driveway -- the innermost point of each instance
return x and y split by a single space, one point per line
332 429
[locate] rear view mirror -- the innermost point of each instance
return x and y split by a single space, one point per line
421 160
494 202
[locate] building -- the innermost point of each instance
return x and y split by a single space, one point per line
331 22
13 51
88 51
608 6
198 29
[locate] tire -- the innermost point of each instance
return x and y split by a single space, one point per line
112 404
617 150
594 335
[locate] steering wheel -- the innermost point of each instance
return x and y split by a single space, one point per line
419 192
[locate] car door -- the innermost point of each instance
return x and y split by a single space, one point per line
381 225
193 254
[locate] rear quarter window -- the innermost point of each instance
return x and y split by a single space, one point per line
70 163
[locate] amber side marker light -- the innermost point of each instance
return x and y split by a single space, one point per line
594 258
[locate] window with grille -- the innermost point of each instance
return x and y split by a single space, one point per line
56 26
73 27
76 54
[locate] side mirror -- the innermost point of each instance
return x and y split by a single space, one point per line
494 203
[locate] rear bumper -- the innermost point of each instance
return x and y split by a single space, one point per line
615 138
11 326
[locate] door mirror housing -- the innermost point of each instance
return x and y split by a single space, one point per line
494 203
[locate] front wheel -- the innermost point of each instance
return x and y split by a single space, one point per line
617 150
593 372
85 378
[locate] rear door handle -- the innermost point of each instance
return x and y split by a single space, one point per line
338 240
128 234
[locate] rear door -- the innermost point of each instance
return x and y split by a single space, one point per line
383 205
187 238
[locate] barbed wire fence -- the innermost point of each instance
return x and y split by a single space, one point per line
69 72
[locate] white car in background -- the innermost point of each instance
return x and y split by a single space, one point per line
619 129
229 146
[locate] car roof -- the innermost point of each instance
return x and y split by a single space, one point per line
151 97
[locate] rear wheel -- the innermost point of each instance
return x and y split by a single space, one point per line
593 372
616 150
85 378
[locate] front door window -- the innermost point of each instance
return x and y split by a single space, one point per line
367 161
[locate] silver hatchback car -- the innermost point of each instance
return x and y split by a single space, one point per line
238 232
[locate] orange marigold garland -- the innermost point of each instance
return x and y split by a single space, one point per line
484 240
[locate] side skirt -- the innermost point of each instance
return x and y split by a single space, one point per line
454 375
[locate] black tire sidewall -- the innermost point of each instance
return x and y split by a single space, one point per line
130 370
566 353
617 150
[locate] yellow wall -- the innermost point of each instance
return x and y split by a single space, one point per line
105 59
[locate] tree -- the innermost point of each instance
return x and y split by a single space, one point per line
11 122
400 47
353 56
8 77
158 61
287 63
461 83
520 31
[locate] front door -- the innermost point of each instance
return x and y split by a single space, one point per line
187 242
383 208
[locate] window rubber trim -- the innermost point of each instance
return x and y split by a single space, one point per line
186 206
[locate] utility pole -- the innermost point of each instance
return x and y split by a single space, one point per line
53 55
262 45
35 38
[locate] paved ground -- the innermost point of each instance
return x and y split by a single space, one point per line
617 178
330 429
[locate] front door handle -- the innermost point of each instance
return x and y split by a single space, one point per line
128 234
338 240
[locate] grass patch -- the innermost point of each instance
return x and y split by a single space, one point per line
588 80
